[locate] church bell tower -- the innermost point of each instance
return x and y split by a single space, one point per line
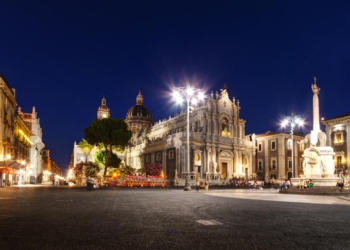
103 110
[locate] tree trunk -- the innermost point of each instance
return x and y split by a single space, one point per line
108 153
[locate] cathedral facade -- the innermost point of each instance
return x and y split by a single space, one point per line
219 148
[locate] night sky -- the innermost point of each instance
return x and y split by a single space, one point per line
63 56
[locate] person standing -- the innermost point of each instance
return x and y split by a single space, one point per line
88 183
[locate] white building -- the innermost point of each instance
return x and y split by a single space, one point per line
219 147
35 157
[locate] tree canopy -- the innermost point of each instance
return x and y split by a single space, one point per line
100 159
108 132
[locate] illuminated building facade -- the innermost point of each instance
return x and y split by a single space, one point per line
273 159
338 137
219 148
35 165
7 133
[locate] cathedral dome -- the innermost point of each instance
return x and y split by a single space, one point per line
139 110
138 116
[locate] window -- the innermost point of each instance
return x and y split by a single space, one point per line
339 159
338 138
301 147
289 164
260 165
148 158
259 147
171 154
289 144
273 164
224 128
134 129
158 157
273 145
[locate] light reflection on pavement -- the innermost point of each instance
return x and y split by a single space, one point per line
272 195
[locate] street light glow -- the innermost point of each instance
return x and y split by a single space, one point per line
292 121
188 92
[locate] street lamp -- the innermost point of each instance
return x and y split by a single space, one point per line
191 95
292 121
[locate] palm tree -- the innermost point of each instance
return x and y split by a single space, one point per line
86 148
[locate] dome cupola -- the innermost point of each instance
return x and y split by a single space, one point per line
138 116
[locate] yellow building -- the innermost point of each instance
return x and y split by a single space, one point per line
22 144
7 127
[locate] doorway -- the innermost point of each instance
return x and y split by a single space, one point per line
224 170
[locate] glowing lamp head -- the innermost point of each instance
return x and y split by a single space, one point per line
189 91
200 96
284 123
8 157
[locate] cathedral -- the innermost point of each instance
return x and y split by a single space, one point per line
219 148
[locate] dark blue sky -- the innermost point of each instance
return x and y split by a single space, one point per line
63 56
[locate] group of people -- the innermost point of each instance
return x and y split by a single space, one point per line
202 185
246 183
285 184
303 184
343 181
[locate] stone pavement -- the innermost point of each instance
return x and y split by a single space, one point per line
122 218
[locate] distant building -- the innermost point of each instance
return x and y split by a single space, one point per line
37 145
50 168
219 148
338 137
273 159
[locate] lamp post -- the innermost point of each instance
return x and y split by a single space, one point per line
190 94
292 121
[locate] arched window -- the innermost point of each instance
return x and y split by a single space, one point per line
224 128
171 154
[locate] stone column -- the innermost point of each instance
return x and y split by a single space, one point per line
218 167
210 160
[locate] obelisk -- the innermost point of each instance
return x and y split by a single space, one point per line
316 113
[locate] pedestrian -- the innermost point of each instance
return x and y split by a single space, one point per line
197 185
92 184
206 185
88 183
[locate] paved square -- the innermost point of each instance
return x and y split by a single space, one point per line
122 218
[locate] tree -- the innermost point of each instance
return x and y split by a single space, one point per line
86 148
91 169
100 159
127 170
109 132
